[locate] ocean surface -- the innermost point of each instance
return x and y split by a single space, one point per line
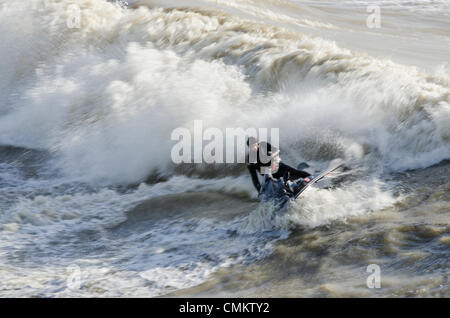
91 204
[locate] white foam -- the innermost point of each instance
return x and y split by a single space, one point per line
321 206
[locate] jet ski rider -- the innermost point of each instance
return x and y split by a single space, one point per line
264 158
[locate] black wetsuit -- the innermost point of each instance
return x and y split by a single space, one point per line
262 160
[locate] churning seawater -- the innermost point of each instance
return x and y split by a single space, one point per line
92 205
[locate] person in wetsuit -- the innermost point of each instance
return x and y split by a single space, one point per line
264 158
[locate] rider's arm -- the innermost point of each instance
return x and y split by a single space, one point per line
272 151
267 149
253 174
